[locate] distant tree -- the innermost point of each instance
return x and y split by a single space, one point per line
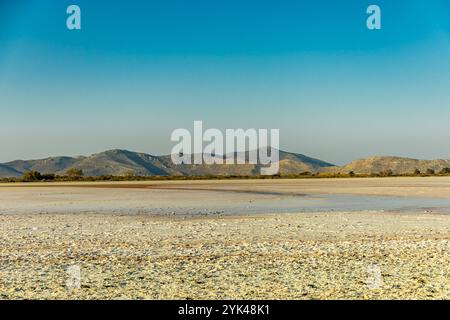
351 173
32 176
130 174
417 172
445 171
387 173
430 171
74 173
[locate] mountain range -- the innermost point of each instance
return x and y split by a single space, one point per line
123 162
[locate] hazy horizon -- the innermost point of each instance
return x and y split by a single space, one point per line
138 70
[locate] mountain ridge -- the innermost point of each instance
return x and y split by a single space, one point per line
120 162
398 165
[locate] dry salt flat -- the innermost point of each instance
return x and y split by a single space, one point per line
72 242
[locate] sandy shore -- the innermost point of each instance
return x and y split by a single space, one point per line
327 255
396 186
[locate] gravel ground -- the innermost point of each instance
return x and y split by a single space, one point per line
364 255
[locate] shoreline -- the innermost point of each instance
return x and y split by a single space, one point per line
230 197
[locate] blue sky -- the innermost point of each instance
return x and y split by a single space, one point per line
140 69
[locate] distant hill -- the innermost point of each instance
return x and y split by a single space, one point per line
289 163
294 163
398 165
48 165
122 162
6 171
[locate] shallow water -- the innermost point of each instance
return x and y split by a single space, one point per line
374 203
178 201
327 203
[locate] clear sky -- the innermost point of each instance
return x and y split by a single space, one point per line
140 69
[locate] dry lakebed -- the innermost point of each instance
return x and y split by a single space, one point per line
230 239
